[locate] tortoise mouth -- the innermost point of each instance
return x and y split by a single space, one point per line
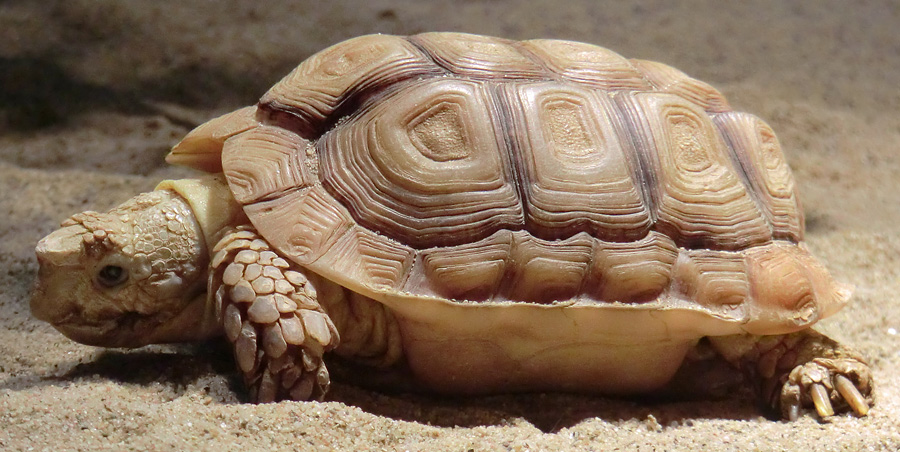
127 330
130 329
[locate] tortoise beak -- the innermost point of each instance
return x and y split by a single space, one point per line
59 256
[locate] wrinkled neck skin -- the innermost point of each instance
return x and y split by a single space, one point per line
137 274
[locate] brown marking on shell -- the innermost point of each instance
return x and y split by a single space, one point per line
302 224
471 271
368 258
755 148
787 286
265 161
547 271
422 182
424 167
478 56
700 199
312 92
576 163
536 270
632 272
588 64
713 279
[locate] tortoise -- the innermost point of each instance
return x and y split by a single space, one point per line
470 215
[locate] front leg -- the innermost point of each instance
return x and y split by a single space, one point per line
271 316
802 369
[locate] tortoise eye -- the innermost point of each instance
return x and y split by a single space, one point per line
111 276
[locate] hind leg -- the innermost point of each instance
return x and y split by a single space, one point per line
802 369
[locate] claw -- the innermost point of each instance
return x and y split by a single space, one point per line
851 395
793 412
821 401
790 402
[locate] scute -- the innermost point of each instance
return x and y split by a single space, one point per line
457 168
478 56
633 272
668 80
425 167
313 91
700 197
756 150
588 64
266 160
576 163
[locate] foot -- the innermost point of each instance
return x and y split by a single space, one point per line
829 385
271 316
802 370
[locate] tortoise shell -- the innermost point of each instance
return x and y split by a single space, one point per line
466 169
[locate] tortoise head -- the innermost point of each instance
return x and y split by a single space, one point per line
129 277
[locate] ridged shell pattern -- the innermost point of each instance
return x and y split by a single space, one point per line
474 168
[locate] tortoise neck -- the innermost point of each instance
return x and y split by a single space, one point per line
215 210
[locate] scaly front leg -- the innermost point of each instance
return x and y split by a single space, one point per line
272 318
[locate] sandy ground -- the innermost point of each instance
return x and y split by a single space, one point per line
94 92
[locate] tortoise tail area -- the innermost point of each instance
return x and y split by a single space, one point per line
201 149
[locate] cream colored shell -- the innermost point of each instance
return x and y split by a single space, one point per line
458 168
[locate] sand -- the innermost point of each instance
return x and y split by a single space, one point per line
94 92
